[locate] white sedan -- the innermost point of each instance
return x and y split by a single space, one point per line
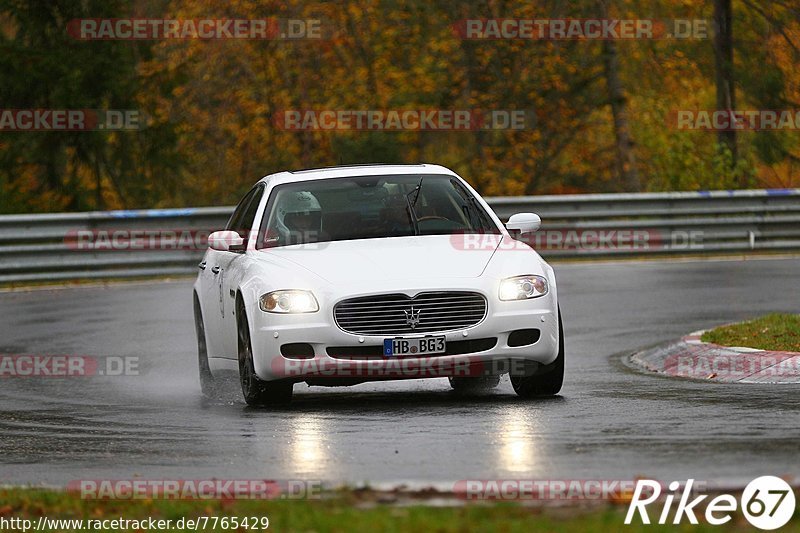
349 274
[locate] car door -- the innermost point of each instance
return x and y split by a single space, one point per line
207 292
231 271
216 267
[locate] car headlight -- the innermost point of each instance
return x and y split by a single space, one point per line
522 287
288 301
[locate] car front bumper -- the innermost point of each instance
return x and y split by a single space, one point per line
339 354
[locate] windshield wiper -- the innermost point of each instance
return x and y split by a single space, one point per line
416 190
411 205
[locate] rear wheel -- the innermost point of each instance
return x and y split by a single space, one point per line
208 384
462 384
256 391
547 379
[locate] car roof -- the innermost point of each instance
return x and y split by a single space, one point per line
346 171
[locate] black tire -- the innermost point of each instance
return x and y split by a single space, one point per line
476 384
257 392
208 384
548 379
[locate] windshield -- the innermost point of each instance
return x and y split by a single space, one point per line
368 207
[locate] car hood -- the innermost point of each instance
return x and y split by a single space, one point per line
390 259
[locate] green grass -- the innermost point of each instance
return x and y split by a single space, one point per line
776 331
349 511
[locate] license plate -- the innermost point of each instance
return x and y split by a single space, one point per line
413 346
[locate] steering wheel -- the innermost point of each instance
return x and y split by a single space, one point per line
432 217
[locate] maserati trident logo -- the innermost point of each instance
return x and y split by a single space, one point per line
412 317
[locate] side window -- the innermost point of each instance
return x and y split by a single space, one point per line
249 215
245 213
234 223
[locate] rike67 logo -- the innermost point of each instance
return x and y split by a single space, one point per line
767 502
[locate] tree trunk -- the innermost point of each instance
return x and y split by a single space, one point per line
723 66
625 158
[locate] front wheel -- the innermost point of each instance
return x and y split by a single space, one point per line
548 379
257 392
208 384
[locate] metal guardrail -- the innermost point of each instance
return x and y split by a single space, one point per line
44 247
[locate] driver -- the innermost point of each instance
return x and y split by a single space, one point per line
299 218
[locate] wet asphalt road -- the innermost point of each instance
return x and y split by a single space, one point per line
610 422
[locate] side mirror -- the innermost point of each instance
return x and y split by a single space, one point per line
225 241
524 223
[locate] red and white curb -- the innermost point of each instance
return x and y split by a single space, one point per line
692 358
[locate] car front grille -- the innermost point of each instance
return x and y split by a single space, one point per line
398 314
